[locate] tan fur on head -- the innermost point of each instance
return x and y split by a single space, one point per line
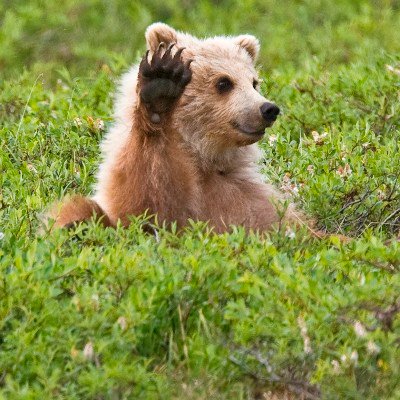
159 33
250 43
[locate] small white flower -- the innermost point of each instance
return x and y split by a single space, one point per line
95 301
343 358
373 348
294 188
344 171
290 233
272 139
286 177
336 366
291 188
99 124
121 321
1 235
354 356
77 121
304 335
310 169
393 69
32 168
62 84
88 351
288 186
359 329
381 194
319 139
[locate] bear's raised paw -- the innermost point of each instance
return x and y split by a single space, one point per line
163 79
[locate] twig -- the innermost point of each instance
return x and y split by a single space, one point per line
307 391
26 104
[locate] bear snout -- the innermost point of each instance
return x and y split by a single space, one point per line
269 112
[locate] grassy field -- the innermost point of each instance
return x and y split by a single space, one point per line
117 314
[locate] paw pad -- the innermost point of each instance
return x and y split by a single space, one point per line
163 78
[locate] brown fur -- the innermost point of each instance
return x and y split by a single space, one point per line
78 209
153 174
194 163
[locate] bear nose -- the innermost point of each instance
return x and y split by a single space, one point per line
269 111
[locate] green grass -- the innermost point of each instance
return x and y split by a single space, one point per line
114 314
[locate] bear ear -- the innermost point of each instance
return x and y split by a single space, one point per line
159 32
250 43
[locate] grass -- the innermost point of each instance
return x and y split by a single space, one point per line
114 314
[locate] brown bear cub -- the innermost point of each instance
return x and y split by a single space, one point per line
183 145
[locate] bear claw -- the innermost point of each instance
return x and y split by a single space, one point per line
163 79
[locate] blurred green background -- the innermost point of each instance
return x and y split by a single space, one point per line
83 35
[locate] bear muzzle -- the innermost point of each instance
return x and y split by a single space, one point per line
254 128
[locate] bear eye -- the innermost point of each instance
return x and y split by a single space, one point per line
224 85
255 83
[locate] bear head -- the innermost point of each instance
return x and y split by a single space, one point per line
222 107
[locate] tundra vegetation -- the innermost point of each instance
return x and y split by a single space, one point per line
96 313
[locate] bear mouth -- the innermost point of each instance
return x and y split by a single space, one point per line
247 131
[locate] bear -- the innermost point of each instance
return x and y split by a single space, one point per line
184 142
